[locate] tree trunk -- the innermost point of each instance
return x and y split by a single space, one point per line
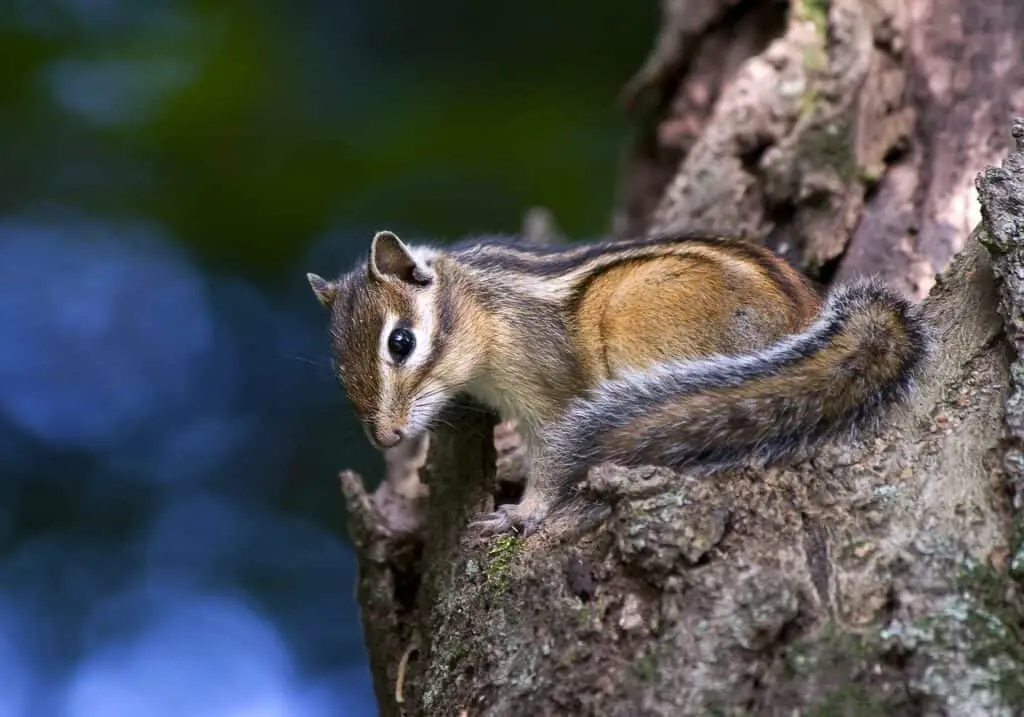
883 576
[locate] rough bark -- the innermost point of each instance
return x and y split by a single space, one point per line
883 575
851 142
965 78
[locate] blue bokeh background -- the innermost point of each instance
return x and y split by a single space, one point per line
172 537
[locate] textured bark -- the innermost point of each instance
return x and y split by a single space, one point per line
405 559
794 131
965 78
881 576
850 142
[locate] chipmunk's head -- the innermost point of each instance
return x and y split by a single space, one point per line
390 331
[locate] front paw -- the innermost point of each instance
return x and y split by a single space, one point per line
508 518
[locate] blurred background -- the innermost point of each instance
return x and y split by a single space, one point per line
172 537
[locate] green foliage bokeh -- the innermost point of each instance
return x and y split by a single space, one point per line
250 129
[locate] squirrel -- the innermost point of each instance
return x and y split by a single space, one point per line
695 352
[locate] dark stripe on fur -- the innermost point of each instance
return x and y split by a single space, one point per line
496 253
792 284
445 325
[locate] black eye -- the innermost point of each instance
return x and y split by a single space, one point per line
401 342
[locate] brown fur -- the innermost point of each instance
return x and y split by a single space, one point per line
683 305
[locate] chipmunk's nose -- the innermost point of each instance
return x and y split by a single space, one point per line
385 436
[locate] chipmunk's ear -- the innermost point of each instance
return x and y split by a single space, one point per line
391 259
324 290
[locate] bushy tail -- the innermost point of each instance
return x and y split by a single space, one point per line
860 356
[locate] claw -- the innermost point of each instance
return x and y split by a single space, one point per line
495 523
508 518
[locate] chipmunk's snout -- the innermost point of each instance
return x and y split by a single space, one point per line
383 435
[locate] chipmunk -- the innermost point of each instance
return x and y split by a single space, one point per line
696 353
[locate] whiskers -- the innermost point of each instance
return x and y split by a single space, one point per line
440 421
467 406
432 409
440 399
322 367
